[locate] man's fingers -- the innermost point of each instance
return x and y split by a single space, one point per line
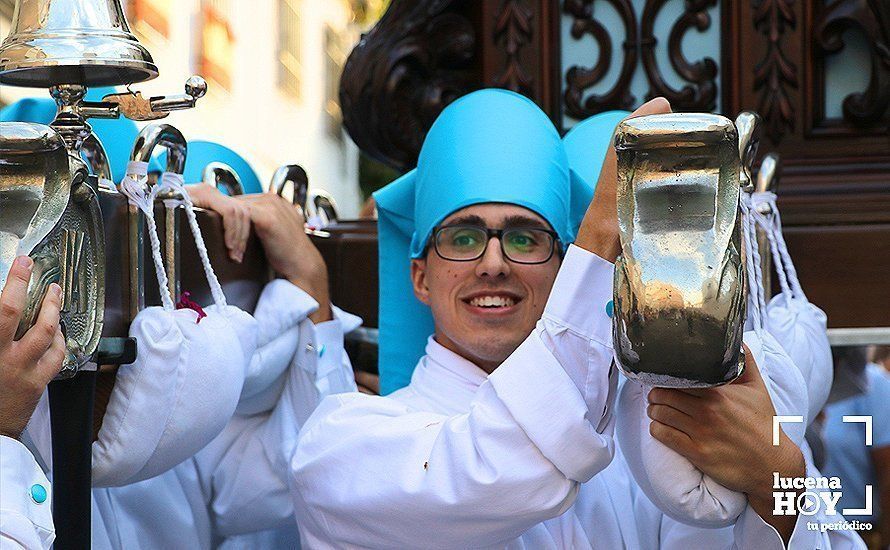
14 297
39 337
672 417
671 437
50 363
656 106
676 399
200 194
237 232
243 232
230 228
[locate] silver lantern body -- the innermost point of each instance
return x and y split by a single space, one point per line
50 212
679 291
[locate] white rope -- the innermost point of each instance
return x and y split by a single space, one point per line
134 186
176 184
752 263
783 250
765 222
773 226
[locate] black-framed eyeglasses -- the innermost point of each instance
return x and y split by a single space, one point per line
522 245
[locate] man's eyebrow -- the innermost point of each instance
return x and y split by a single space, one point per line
524 221
467 219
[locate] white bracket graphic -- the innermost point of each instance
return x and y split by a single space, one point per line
778 420
864 420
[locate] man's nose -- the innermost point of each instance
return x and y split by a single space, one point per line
493 263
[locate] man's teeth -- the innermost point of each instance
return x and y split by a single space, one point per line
492 301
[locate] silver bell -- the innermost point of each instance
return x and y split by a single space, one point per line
85 42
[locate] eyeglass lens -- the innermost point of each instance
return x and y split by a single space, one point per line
521 245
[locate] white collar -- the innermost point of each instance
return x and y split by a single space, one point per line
446 378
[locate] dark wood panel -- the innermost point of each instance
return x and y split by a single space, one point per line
350 253
520 49
773 61
844 270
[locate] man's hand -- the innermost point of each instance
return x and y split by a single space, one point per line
367 382
281 228
235 215
726 432
599 229
29 364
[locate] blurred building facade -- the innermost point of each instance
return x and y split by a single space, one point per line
273 69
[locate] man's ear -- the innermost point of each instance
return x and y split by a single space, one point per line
418 279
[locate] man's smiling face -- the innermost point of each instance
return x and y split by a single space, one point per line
483 309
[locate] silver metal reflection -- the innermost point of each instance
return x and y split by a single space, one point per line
49 212
679 292
295 175
321 206
767 181
72 42
93 153
222 176
34 189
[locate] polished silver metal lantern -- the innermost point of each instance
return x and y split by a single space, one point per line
50 212
680 289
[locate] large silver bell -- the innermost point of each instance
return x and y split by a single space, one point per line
85 42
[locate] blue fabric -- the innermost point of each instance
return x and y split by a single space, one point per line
202 153
117 135
847 457
587 142
491 146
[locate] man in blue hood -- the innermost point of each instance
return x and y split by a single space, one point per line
495 341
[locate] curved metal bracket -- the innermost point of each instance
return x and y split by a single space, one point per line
223 177
296 176
170 138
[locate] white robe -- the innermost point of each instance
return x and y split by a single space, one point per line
237 484
521 458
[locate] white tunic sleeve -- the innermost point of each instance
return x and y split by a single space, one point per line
371 472
26 519
280 310
750 531
244 471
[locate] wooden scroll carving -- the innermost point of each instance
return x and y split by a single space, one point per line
513 32
701 93
775 73
418 58
867 108
579 79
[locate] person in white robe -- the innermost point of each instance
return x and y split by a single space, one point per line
237 485
502 438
